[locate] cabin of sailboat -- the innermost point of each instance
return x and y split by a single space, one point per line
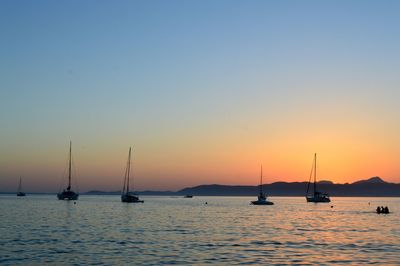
262 198
127 195
316 196
67 193
19 192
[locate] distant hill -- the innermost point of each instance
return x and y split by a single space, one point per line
99 192
372 187
372 180
148 192
325 182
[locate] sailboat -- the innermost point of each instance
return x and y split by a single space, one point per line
128 196
67 193
262 198
317 196
19 192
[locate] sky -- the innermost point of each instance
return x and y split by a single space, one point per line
204 91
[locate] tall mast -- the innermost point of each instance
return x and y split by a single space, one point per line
261 182
69 166
315 172
19 186
128 169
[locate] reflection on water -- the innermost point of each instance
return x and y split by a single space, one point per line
102 230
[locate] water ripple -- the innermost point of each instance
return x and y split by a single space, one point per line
99 230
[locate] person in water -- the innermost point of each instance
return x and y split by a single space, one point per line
386 210
382 209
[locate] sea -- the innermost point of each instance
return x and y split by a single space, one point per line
101 230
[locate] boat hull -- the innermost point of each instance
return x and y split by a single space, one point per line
21 194
131 199
68 195
318 199
262 202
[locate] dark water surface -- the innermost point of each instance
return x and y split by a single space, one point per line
37 230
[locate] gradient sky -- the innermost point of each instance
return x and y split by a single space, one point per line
204 91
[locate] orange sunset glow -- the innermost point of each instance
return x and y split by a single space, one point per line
202 101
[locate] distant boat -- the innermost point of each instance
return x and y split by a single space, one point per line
128 196
316 196
188 196
262 198
19 192
67 193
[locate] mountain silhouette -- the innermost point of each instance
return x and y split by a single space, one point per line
372 187
372 180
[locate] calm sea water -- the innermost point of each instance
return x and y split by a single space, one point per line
38 230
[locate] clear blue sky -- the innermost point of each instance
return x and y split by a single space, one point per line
181 79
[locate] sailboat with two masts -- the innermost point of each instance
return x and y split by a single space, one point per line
127 195
316 196
67 193
262 198
19 191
